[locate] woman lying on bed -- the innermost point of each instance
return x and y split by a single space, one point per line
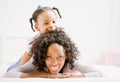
55 56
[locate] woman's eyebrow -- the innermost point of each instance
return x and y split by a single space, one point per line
48 53
60 54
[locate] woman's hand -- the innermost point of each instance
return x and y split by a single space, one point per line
74 74
44 74
59 75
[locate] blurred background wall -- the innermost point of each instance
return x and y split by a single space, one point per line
94 25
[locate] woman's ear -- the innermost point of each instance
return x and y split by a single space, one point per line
37 27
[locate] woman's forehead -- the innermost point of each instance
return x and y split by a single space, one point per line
54 47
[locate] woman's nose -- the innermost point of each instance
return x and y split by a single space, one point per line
54 62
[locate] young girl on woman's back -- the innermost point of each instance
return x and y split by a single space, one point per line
45 19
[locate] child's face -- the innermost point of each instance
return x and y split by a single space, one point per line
46 21
55 59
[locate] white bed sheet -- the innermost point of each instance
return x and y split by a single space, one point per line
59 80
3 69
112 72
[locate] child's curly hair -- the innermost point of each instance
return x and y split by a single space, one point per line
43 41
38 11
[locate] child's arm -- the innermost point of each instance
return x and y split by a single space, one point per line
26 57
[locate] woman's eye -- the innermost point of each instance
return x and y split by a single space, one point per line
48 57
60 57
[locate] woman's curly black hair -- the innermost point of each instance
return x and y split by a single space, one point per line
43 41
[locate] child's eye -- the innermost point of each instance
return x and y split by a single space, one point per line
53 21
46 23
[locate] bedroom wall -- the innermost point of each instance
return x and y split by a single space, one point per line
115 32
93 18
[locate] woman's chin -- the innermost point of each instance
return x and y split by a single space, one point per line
54 72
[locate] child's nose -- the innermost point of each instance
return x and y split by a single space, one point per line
51 28
52 24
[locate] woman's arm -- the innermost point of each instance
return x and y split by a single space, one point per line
45 75
87 70
28 70
83 69
17 74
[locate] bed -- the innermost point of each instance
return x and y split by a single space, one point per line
111 74
108 65
59 80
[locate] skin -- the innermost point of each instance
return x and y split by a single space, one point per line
56 57
46 21
55 60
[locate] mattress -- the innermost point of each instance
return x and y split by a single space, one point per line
59 80
111 74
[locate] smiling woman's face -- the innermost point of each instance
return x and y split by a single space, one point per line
55 59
